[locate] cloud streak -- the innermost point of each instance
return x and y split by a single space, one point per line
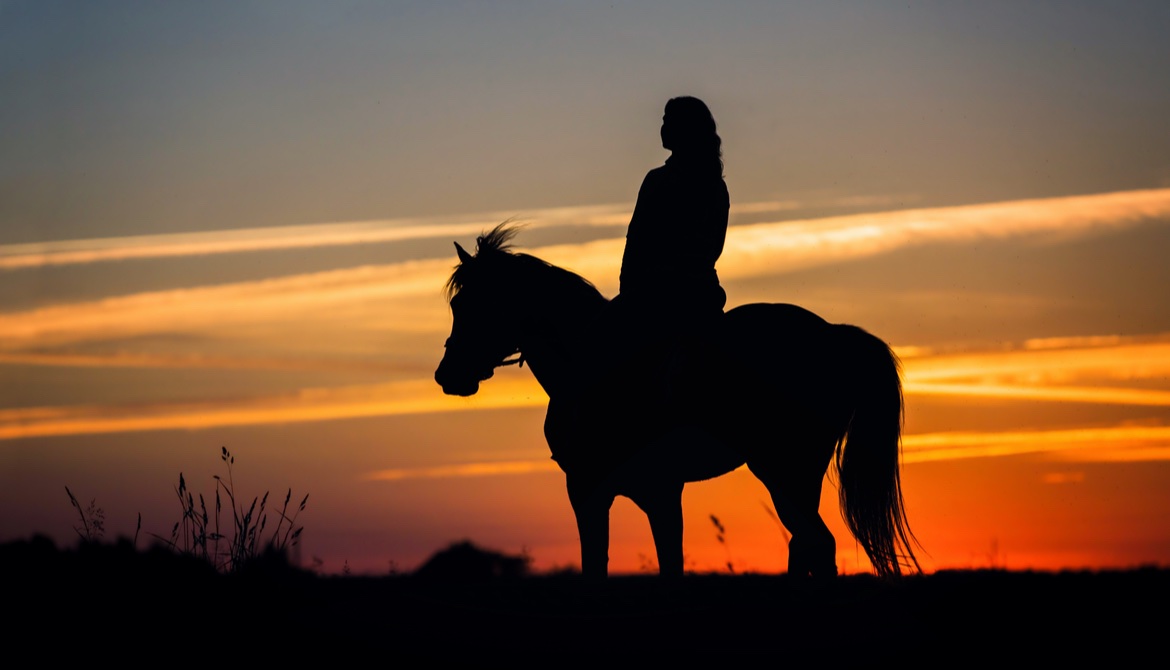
72 252
804 240
464 470
229 307
1039 375
1148 441
122 359
1094 395
409 289
760 249
306 405
1119 443
1053 370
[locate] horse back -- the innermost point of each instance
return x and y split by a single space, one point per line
764 360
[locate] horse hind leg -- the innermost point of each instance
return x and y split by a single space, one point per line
812 551
795 487
813 554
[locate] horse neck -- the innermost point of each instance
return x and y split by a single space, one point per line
556 338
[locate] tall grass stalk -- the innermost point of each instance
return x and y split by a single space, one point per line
93 519
201 534
721 536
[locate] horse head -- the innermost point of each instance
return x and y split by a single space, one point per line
482 337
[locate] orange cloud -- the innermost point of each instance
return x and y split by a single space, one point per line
123 359
758 250
464 470
1110 357
231 308
318 404
1148 440
1121 443
1101 396
1063 477
1054 369
416 397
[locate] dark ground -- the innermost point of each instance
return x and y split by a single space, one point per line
112 602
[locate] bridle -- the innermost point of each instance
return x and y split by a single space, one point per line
507 360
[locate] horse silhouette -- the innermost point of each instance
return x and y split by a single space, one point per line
770 385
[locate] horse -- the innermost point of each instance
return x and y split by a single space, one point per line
772 386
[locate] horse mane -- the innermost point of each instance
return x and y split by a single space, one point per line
493 249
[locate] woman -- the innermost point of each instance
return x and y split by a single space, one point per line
670 294
679 224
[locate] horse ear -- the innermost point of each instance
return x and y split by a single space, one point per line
464 257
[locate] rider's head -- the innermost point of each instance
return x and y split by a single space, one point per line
688 130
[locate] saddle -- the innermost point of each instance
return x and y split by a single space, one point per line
652 357
635 391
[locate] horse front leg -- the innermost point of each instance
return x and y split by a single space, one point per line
662 504
591 506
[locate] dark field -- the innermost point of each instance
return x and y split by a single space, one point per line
110 601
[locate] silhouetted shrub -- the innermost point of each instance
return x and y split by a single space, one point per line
463 561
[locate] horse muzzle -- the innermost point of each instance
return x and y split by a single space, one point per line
453 383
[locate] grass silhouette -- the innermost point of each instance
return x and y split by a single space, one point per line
93 519
721 537
230 548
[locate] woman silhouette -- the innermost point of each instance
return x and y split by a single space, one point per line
676 234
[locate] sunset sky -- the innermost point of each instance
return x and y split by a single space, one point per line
229 224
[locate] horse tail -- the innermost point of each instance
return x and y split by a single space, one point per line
868 453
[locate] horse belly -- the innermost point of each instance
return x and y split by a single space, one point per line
682 454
